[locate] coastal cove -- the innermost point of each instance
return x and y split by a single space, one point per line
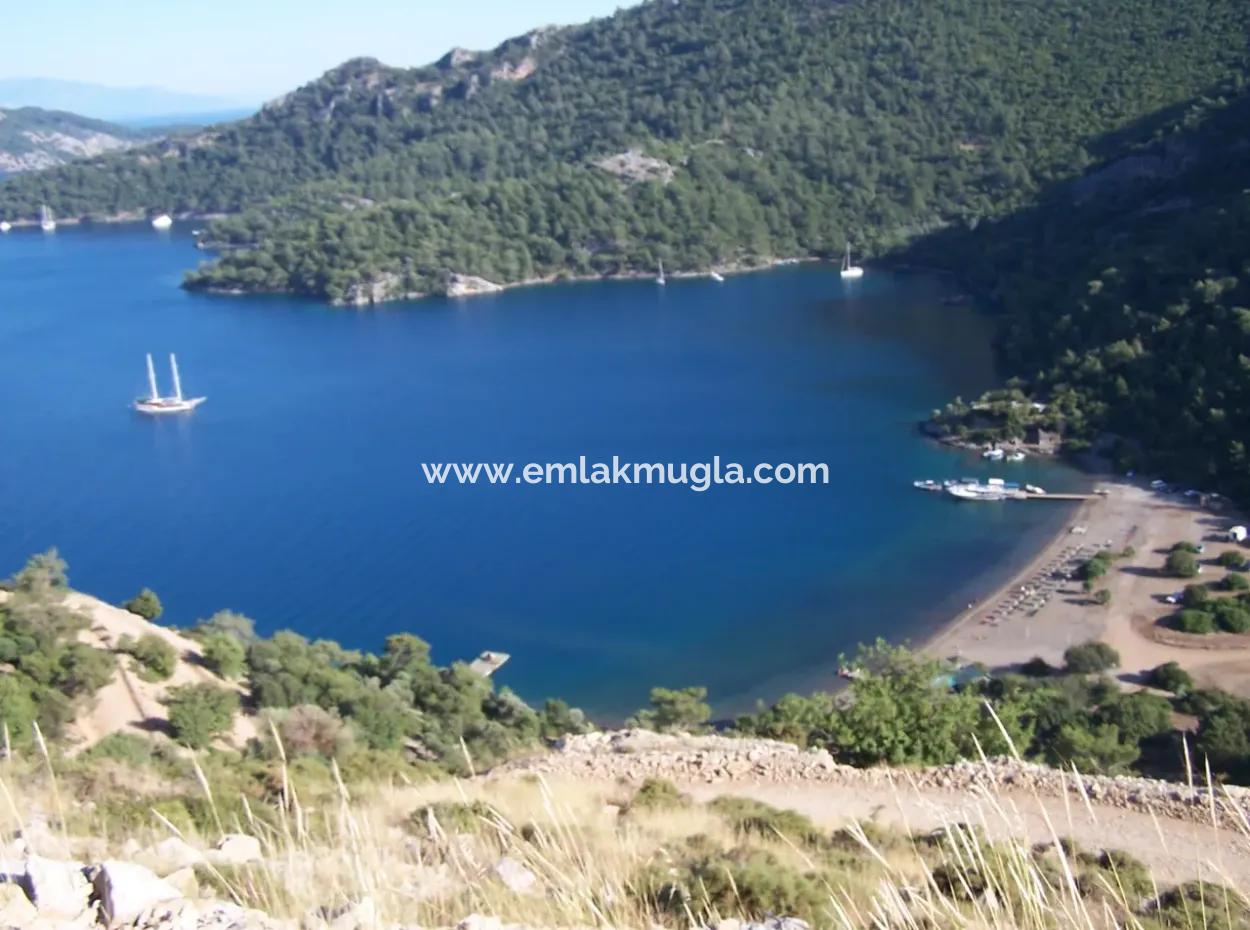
295 494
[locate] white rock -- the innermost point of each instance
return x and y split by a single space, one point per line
57 888
480 922
236 849
125 890
15 908
185 881
171 854
515 876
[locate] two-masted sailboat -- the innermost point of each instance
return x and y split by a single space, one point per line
154 403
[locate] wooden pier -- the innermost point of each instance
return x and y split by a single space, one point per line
1025 495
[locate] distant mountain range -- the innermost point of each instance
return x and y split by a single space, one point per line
127 105
32 138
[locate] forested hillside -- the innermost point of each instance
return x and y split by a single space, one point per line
1126 293
781 127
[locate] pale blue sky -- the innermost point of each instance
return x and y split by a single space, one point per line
254 49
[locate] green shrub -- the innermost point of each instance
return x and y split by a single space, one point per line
198 713
1191 548
754 884
1195 595
1170 677
1235 582
310 730
657 794
749 817
1232 559
155 657
131 748
1102 597
1231 616
1089 657
682 709
1138 716
452 817
146 604
225 655
1181 564
1201 904
1094 568
1194 621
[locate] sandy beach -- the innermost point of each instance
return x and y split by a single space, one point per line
1043 609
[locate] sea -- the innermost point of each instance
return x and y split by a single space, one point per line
296 495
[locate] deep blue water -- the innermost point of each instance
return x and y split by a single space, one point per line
295 493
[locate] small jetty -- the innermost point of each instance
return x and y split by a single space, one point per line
488 663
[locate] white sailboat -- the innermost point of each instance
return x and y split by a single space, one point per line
849 270
5 226
46 222
154 403
162 221
659 279
716 276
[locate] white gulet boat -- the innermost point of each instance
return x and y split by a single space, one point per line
154 403
849 270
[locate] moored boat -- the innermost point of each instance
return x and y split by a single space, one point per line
850 271
154 403
162 221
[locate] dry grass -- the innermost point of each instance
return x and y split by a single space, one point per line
596 862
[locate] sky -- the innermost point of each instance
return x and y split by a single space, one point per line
252 50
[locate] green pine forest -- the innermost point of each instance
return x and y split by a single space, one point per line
1079 165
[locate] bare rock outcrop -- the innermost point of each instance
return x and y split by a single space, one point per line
467 285
635 167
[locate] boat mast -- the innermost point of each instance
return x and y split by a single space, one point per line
152 379
846 262
173 366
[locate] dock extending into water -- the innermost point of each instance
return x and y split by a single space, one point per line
1058 497
488 663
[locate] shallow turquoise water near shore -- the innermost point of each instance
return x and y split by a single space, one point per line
295 493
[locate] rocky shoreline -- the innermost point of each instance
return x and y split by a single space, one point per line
386 287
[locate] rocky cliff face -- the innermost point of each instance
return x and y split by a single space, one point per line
32 139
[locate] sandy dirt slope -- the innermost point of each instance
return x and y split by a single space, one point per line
128 703
1168 827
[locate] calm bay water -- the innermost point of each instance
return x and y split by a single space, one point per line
295 494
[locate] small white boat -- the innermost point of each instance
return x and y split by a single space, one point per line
1016 457
154 403
849 270
659 278
5 226
976 492
994 455
46 222
162 221
716 276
